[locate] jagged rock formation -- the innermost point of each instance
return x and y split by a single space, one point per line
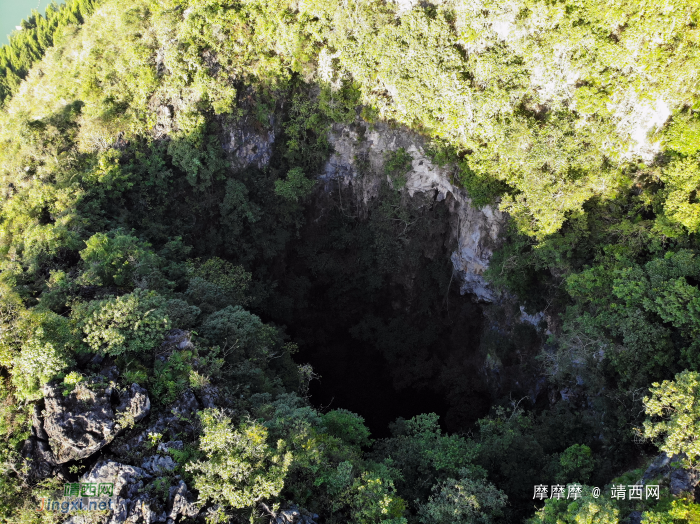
679 479
85 421
131 503
291 515
77 425
360 154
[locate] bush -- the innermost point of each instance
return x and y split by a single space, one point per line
240 469
116 259
238 328
463 501
673 411
132 323
181 314
44 355
295 187
347 426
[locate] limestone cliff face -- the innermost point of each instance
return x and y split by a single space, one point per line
361 150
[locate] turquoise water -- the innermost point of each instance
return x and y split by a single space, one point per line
13 11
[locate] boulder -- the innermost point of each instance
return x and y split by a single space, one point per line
129 502
90 417
132 502
181 502
680 479
635 517
36 450
165 447
171 424
660 467
292 514
684 480
127 480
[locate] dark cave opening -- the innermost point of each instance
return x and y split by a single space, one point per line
355 376
380 317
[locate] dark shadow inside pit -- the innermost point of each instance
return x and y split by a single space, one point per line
377 311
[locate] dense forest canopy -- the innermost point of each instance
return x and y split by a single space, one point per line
34 37
131 211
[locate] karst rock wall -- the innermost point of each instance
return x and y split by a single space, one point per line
361 150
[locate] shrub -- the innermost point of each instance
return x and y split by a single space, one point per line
116 259
295 187
234 326
131 323
673 411
240 469
347 426
44 355
463 501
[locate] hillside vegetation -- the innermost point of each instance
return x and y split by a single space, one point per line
127 211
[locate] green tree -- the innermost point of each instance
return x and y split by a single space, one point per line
133 323
425 455
372 500
240 469
117 259
44 355
295 187
577 463
584 510
236 328
463 501
673 412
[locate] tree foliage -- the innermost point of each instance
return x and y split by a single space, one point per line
674 415
240 469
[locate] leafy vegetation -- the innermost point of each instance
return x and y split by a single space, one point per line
159 164
37 34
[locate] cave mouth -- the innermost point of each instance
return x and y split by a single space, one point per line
355 375
378 313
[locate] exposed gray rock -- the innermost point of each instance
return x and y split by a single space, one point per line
291 515
127 480
159 465
660 467
165 447
684 480
209 396
249 144
181 502
36 450
134 405
170 424
142 509
680 479
80 519
177 339
360 153
84 421
635 517
131 501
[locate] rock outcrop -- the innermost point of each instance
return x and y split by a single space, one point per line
249 144
84 421
76 425
292 514
667 468
360 153
132 500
